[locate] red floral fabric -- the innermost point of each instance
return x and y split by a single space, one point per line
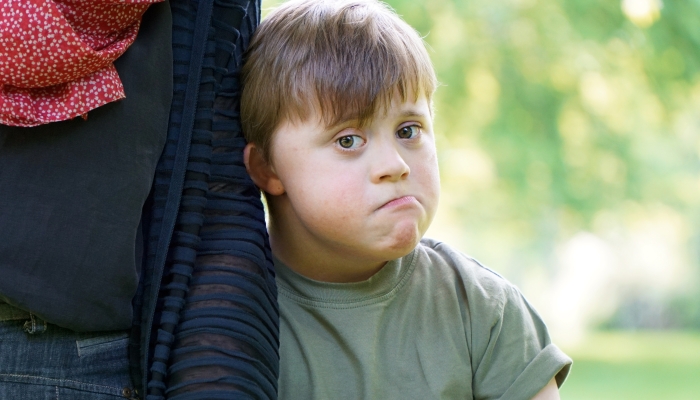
56 56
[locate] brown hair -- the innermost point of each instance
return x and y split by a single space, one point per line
344 58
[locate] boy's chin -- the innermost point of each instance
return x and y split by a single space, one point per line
402 242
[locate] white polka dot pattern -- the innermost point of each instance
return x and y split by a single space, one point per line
56 56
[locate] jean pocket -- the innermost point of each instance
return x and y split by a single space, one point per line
102 344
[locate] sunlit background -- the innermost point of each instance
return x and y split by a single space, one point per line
569 145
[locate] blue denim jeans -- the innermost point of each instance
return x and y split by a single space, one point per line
39 360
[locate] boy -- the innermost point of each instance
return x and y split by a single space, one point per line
336 107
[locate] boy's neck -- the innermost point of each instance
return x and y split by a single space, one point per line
316 262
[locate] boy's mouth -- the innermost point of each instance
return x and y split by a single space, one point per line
400 202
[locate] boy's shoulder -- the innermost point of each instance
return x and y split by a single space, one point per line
443 259
440 251
482 291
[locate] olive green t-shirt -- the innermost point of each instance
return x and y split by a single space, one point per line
434 324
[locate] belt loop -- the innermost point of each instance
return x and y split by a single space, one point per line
35 325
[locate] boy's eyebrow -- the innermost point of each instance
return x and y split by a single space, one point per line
356 121
343 123
411 113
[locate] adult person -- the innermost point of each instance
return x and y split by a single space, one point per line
132 244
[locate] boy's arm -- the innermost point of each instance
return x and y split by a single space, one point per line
514 356
549 392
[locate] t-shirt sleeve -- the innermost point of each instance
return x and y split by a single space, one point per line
512 354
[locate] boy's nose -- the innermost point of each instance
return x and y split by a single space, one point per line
390 166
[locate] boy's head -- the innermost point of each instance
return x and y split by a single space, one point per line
345 59
336 109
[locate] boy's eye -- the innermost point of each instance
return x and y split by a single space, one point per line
408 132
350 142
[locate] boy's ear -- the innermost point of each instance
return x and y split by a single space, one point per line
261 171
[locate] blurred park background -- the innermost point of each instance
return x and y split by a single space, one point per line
569 144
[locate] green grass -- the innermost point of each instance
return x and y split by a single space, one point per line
635 365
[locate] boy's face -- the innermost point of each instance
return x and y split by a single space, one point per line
363 194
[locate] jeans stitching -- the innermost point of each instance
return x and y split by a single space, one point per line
28 325
31 326
59 382
86 348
